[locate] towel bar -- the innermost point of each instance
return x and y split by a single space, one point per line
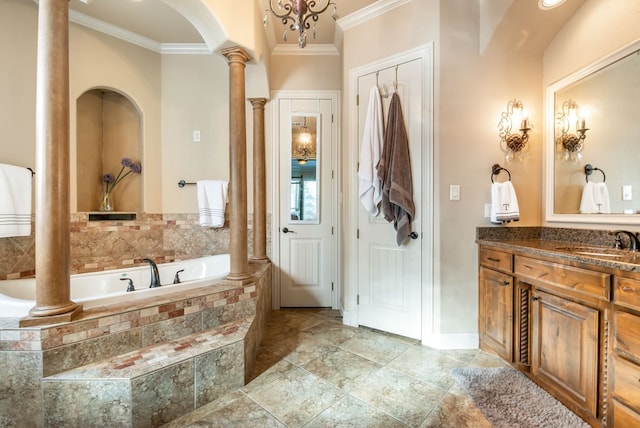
495 170
588 170
182 183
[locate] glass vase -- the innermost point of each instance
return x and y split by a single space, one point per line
106 203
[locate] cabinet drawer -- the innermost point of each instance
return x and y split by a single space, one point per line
627 334
626 382
624 417
496 259
626 292
595 284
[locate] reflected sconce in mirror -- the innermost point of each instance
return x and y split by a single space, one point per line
571 144
300 13
514 144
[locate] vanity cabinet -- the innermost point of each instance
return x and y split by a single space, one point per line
496 302
550 319
625 362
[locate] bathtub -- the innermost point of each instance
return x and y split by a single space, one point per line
18 296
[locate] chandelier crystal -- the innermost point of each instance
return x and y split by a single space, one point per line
301 13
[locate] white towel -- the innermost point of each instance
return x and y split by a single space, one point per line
504 203
595 199
370 188
15 201
212 198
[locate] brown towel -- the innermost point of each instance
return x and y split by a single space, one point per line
394 170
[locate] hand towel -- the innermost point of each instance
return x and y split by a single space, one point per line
394 171
212 198
504 203
15 201
595 199
370 188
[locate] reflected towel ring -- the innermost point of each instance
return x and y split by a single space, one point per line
495 170
588 170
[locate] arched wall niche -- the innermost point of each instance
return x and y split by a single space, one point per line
108 128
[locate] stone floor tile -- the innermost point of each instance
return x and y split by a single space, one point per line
378 348
296 397
399 395
350 412
342 369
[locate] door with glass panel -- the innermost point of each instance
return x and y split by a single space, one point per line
306 202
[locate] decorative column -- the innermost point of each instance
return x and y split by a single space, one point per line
259 183
52 226
239 270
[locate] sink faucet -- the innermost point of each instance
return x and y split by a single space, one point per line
155 275
634 241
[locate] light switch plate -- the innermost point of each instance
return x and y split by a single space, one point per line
627 194
487 210
454 192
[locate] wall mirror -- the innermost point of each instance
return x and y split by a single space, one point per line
304 191
607 97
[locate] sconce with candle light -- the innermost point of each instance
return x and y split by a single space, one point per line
303 142
570 143
514 144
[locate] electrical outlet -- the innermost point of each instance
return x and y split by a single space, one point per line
627 194
196 136
487 210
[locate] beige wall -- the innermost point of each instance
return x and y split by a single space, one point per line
305 72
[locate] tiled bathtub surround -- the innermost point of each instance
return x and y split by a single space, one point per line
171 344
104 245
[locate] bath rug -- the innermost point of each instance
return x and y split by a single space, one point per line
509 399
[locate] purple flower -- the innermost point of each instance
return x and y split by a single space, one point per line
136 168
126 162
108 178
111 181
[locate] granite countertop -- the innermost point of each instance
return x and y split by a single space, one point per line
596 255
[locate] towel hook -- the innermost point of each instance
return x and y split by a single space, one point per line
495 170
395 82
588 170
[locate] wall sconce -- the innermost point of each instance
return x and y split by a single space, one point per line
514 144
571 143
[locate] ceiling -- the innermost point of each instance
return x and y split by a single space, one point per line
153 22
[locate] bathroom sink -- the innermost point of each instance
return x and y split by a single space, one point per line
600 252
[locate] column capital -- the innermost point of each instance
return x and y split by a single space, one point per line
258 103
236 54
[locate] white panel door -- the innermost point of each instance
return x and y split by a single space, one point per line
306 202
389 276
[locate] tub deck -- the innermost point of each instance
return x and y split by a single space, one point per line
135 341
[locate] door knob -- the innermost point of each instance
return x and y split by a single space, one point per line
413 235
287 230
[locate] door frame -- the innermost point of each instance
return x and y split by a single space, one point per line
276 198
430 309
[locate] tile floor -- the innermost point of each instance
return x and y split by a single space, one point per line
312 371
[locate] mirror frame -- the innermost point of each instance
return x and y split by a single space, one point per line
549 145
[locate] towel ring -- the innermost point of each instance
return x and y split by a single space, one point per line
588 170
495 170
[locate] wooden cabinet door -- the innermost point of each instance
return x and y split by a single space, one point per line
565 345
496 312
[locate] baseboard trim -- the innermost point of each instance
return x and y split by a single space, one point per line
452 341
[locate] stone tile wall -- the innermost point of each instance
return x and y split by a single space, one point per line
105 245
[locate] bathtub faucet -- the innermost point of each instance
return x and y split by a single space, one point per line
176 279
130 287
155 275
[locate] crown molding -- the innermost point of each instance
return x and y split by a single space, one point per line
365 14
310 49
184 48
136 39
114 31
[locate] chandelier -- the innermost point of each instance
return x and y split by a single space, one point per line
300 13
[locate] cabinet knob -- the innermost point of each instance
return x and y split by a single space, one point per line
534 298
506 282
626 289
